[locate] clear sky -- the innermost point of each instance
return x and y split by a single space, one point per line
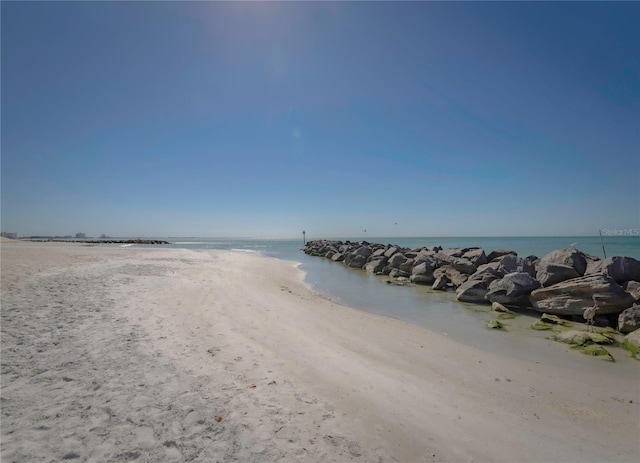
264 119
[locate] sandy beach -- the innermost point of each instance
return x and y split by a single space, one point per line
130 354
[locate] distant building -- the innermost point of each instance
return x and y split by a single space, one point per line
81 235
13 236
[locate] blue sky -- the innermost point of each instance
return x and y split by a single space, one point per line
264 119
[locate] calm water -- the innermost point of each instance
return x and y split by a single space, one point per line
438 311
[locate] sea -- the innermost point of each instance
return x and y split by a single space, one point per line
435 310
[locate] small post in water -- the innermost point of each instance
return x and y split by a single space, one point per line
602 242
304 239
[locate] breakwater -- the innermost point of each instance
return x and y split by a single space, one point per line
562 284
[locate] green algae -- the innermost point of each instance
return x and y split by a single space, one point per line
597 351
583 338
495 324
541 326
632 348
554 320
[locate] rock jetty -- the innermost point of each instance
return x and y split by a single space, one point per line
564 282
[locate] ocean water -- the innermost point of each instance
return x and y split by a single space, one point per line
435 310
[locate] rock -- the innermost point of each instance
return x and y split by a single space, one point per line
442 259
582 338
542 326
463 265
554 320
629 319
499 253
356 261
391 251
569 257
364 251
549 274
551 322
337 257
513 289
422 274
631 344
375 266
425 256
476 256
440 284
495 324
508 264
497 307
597 351
397 273
572 297
633 288
619 268
378 253
407 265
454 252
502 311
396 260
472 291
456 277
486 273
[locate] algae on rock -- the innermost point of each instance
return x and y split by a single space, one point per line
581 338
631 344
495 324
597 351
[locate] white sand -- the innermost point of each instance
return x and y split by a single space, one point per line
125 354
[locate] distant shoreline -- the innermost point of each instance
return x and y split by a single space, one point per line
98 241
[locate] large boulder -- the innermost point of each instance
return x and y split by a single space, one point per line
442 258
499 253
397 273
629 319
472 291
486 273
377 254
573 296
454 252
425 256
364 251
397 259
356 261
441 283
632 344
549 274
391 251
528 265
512 289
422 274
619 268
507 264
337 257
633 288
561 265
375 266
407 265
463 265
456 277
476 256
